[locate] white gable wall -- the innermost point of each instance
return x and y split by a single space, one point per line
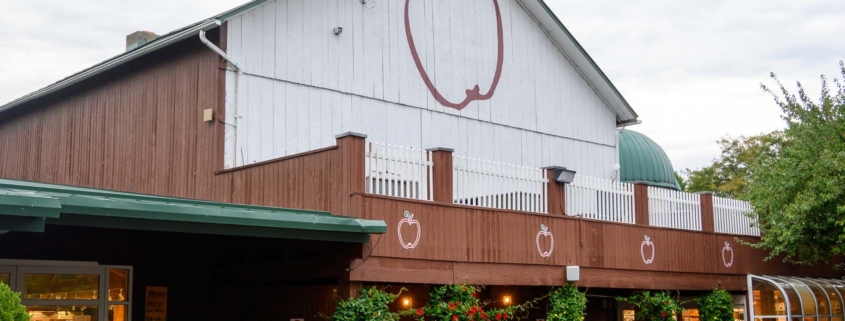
301 84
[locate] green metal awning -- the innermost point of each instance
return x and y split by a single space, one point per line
29 206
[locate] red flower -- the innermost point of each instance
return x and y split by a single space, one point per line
483 316
419 311
506 316
451 305
473 310
454 318
663 314
474 295
498 316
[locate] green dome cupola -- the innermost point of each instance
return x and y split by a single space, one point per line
642 160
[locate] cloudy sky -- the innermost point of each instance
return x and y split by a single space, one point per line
691 69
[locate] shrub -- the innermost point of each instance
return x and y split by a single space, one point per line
10 305
567 304
657 306
716 306
370 305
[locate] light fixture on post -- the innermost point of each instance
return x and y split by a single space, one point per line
406 302
562 175
506 300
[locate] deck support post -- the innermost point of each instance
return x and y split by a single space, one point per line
441 159
707 213
641 203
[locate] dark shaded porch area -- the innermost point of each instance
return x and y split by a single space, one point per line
208 277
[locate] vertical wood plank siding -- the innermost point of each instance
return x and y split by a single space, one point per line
477 235
140 129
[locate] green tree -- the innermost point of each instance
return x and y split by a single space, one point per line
10 305
798 191
728 175
682 182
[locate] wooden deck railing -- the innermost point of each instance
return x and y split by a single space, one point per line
440 176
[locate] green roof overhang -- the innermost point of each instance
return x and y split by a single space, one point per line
28 206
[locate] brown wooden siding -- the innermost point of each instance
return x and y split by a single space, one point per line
486 244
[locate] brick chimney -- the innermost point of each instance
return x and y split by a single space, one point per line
139 38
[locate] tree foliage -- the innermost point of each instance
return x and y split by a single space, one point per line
716 306
10 305
728 175
798 191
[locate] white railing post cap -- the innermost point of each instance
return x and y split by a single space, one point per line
353 134
440 149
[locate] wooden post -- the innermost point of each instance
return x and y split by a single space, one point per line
556 201
441 159
708 223
641 203
352 148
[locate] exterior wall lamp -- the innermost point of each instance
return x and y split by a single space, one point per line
563 175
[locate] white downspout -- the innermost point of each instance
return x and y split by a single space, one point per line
238 73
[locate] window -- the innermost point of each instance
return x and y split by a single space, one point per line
77 291
61 286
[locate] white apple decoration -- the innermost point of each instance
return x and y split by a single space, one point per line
544 232
647 244
409 219
727 249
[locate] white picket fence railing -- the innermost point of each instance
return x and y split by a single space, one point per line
730 217
600 199
670 208
490 184
398 171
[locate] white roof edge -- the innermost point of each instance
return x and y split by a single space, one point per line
583 62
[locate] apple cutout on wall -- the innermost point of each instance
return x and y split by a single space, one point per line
727 249
410 221
650 245
544 233
473 93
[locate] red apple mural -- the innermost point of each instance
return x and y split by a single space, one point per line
472 94
727 249
647 244
544 233
411 222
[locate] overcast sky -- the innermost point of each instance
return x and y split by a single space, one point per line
691 69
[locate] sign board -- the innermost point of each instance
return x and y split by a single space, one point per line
155 308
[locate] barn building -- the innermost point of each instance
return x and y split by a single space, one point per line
259 163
